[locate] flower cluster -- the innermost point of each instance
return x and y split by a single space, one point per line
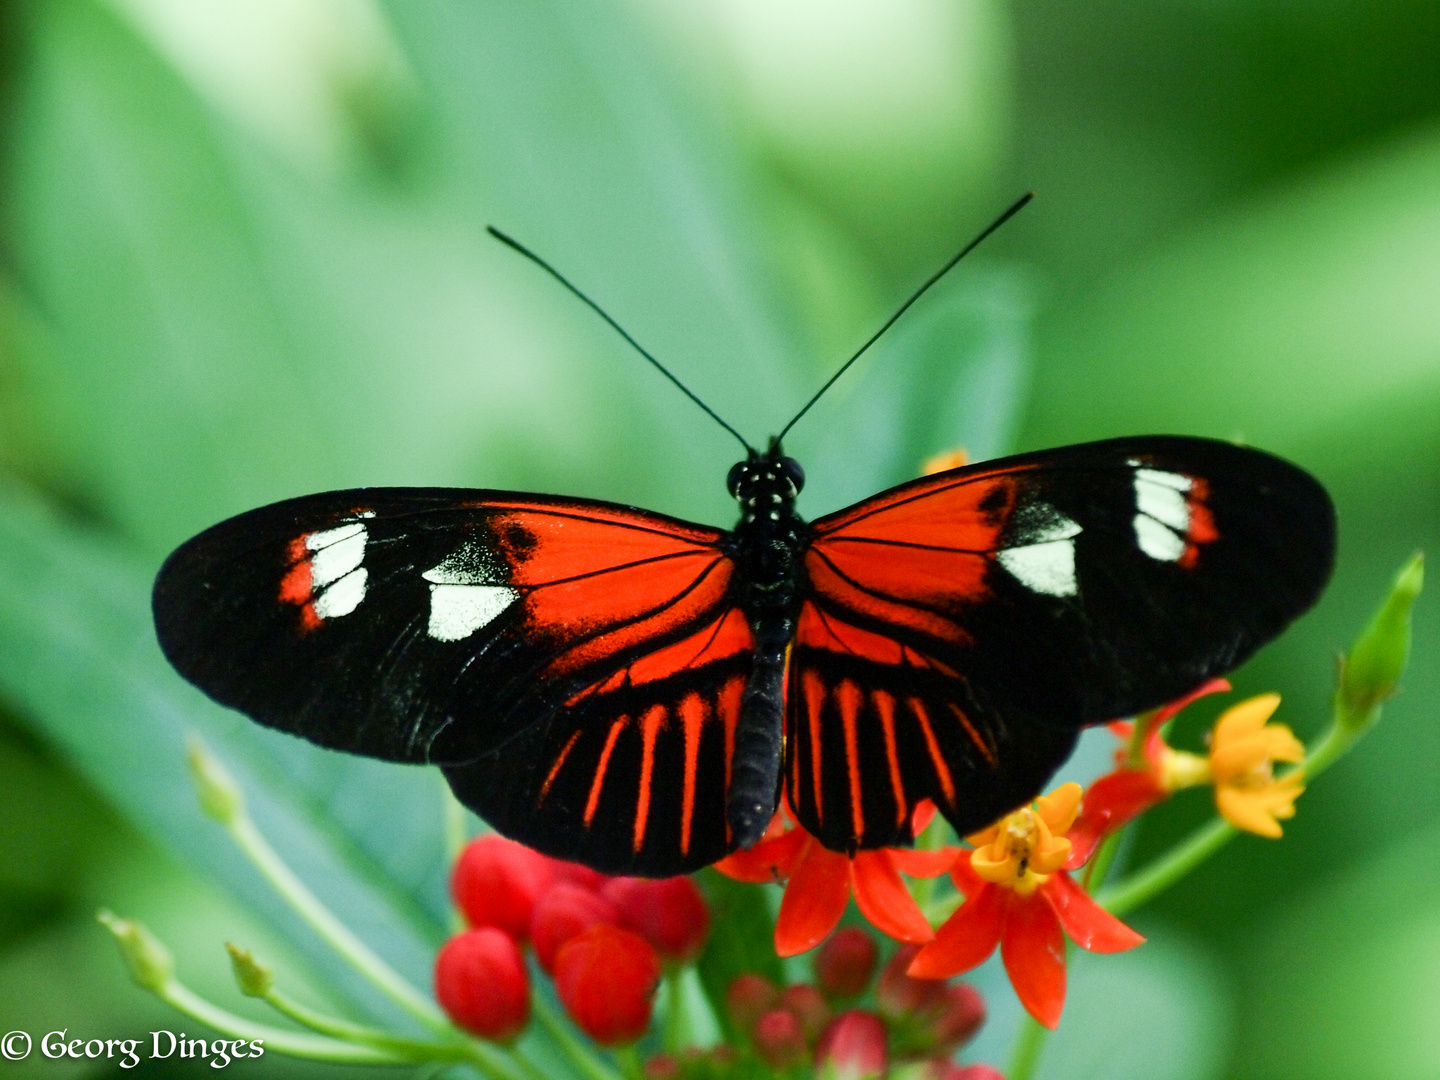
604 941
848 1028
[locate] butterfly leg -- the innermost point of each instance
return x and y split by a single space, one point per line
759 736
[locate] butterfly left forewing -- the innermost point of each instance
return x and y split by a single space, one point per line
428 624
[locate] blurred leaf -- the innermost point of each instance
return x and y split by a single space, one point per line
742 940
82 666
1345 982
954 373
1159 1012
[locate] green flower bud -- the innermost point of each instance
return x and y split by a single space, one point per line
216 789
1371 671
255 978
150 963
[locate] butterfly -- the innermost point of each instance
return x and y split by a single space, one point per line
638 693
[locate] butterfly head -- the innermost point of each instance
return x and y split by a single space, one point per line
765 485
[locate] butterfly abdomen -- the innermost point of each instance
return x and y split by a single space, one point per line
768 547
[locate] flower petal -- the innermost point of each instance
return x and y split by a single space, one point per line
883 898
967 939
767 861
924 864
815 898
1089 925
1058 809
1110 803
1033 948
1245 718
1163 714
964 876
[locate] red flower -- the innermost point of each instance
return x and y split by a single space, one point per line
1017 896
497 881
809 1006
853 1047
779 1039
845 963
944 1069
820 882
563 913
669 913
606 979
1136 785
926 1016
481 983
750 997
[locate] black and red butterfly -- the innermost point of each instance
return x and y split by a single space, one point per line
636 692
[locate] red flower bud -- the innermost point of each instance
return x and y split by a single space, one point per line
899 994
945 1069
853 1046
577 874
562 913
959 1017
750 997
845 962
809 1006
606 979
779 1039
496 883
662 1067
482 984
669 913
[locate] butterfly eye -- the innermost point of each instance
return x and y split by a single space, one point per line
737 473
793 472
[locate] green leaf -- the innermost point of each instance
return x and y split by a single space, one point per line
82 666
742 940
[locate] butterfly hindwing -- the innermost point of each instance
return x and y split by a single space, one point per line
630 776
429 624
874 726
1042 592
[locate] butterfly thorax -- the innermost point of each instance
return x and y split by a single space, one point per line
768 546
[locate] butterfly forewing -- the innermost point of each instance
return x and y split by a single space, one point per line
429 624
1030 595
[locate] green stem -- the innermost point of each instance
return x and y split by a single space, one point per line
629 1060
1029 1045
339 936
1139 888
677 1014
588 1063
346 1031
293 1044
1142 887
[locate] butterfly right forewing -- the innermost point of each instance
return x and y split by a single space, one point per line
1035 594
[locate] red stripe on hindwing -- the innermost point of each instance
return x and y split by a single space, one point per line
650 725
602 767
942 770
885 707
815 694
847 698
692 720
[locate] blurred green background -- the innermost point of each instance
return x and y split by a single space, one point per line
242 257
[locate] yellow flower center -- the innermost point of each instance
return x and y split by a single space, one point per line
1022 849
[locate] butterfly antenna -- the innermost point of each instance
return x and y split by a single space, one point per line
1014 209
538 261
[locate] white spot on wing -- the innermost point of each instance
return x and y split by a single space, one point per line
337 553
344 596
1157 540
457 611
1158 494
471 564
1043 560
